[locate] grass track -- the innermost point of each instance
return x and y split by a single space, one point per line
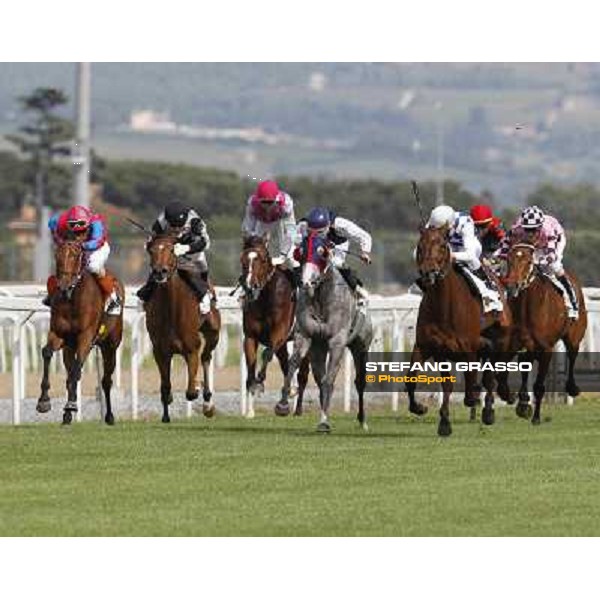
277 477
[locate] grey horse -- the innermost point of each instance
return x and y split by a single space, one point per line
328 321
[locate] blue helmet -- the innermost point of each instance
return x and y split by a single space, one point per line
318 218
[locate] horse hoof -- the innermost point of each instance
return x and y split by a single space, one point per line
109 419
363 426
282 409
535 421
523 411
324 427
444 429
418 409
166 419
67 417
298 412
524 397
192 395
208 410
511 399
572 390
487 416
43 406
470 402
249 414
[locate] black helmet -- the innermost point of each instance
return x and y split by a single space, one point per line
176 214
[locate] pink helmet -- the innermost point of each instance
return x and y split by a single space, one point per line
78 218
267 190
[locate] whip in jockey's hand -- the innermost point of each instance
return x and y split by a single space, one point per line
366 258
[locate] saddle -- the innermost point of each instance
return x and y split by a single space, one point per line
490 298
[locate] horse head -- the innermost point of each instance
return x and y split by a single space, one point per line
433 254
256 264
315 260
520 268
163 262
69 256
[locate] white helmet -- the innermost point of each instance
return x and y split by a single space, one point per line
441 216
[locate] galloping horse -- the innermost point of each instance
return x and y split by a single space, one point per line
268 317
77 323
541 320
328 322
174 323
452 326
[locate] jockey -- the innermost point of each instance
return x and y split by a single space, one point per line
192 242
270 212
489 229
340 232
466 251
81 223
548 236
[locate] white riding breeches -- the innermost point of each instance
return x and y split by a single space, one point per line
97 259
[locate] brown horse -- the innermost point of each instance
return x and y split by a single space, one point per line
77 323
174 324
541 320
268 317
452 326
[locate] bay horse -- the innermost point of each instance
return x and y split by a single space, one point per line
77 323
451 325
328 322
175 325
268 317
541 320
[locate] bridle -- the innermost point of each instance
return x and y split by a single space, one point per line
254 289
164 273
531 273
69 246
434 275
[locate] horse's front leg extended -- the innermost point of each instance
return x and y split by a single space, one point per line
444 426
54 344
336 354
301 347
523 408
539 387
163 361
192 361
250 350
415 407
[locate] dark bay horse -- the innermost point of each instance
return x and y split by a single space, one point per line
328 322
451 325
541 320
77 323
268 318
175 326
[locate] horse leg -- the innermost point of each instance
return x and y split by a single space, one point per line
211 339
166 397
415 407
266 358
192 362
523 408
487 414
360 368
301 347
571 387
250 350
211 330
76 361
539 388
336 354
54 343
302 381
444 426
283 410
472 393
109 361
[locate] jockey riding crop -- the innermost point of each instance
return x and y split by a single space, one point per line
415 189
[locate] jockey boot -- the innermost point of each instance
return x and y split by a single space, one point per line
574 310
350 277
196 280
146 290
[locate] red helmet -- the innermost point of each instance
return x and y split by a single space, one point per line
267 190
78 218
481 214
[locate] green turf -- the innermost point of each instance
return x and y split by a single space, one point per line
277 477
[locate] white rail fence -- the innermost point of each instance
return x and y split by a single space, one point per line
24 324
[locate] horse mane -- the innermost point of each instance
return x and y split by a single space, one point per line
254 241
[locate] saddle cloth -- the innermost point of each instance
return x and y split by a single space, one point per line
573 312
490 298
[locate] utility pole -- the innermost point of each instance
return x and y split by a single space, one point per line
81 149
439 196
